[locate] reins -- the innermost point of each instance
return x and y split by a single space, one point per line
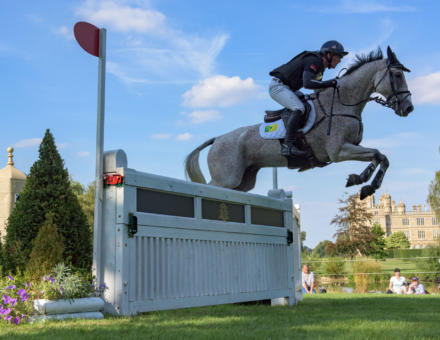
389 102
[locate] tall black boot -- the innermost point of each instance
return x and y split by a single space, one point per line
288 148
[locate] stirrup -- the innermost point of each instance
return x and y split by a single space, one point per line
291 150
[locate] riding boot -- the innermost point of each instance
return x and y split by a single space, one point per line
288 148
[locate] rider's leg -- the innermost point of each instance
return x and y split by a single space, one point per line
283 95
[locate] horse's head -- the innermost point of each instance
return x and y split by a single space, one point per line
391 83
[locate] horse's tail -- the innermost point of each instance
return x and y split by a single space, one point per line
192 167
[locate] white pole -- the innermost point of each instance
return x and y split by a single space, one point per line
275 178
99 178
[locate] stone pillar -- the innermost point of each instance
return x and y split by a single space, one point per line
11 182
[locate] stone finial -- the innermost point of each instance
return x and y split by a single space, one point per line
10 151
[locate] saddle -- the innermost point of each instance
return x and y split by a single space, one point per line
309 161
272 116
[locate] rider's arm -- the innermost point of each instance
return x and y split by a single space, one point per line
310 82
312 75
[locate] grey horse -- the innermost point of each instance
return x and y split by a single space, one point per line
236 157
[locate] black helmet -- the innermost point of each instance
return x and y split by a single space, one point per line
334 47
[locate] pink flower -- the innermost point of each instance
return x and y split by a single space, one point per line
10 278
16 320
13 302
8 318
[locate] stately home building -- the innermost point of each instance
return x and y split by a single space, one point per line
420 225
11 182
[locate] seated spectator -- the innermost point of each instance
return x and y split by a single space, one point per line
308 280
397 283
415 287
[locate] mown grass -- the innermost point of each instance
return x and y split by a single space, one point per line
325 316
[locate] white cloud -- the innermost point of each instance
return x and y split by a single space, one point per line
64 32
362 7
122 17
220 91
26 143
161 136
150 45
426 89
83 153
184 137
204 116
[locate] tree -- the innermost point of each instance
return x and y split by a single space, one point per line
47 250
378 242
302 236
47 190
86 198
353 234
397 240
434 194
321 249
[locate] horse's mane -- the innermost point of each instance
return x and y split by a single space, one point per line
361 59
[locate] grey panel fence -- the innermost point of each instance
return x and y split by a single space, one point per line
166 243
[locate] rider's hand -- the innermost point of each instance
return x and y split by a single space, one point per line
335 82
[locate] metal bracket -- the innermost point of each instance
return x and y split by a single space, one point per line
289 237
132 224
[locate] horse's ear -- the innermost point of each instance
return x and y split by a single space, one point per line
391 56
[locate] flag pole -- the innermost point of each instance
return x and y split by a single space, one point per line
99 173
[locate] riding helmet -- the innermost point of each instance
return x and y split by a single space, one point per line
334 47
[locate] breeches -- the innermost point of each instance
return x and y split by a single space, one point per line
284 96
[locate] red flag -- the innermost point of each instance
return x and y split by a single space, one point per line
87 36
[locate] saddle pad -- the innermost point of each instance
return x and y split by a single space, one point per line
277 129
274 130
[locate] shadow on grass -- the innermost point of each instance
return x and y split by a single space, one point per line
322 316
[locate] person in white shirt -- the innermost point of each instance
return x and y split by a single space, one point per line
308 280
397 283
415 287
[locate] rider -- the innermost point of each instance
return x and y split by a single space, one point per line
304 70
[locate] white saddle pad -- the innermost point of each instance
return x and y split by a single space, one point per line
277 130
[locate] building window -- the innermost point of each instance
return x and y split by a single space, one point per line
421 234
376 221
435 234
434 221
405 221
376 212
420 221
407 234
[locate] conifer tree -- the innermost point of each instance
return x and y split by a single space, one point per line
47 251
47 190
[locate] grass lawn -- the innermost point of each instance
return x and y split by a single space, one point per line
325 316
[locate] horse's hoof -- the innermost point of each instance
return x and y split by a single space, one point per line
366 191
353 179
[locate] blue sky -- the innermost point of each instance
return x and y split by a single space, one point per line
180 72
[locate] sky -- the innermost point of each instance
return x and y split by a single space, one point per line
181 72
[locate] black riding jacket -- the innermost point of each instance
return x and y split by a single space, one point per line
304 70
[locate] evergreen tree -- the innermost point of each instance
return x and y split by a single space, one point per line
47 190
47 251
86 198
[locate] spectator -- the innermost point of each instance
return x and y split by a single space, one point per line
415 287
308 280
397 283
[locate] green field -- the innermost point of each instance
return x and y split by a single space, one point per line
324 316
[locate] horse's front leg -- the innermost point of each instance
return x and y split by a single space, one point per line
359 153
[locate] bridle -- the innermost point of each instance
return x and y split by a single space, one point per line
392 101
